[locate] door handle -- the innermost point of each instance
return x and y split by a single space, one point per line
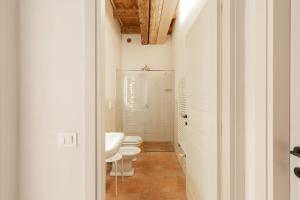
296 151
184 116
297 171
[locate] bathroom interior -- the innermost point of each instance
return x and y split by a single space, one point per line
160 99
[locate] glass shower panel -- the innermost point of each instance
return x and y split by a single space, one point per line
158 115
145 104
131 103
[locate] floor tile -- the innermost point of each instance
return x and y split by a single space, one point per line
158 176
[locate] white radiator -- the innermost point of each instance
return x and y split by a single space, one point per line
182 111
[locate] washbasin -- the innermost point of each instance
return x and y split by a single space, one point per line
113 142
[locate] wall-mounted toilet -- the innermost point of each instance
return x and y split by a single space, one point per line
130 149
132 141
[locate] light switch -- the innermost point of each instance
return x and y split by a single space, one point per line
67 139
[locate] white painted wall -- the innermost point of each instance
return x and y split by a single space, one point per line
52 98
187 13
8 100
113 46
194 43
179 61
135 55
202 103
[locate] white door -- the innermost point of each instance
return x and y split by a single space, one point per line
295 100
202 105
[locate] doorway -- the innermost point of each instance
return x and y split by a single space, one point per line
201 101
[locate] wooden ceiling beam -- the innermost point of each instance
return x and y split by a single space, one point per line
126 13
167 15
155 17
131 30
114 7
144 12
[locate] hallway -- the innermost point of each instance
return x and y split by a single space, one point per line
213 83
158 176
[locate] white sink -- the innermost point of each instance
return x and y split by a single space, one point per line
113 142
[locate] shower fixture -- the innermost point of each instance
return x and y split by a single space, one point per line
146 68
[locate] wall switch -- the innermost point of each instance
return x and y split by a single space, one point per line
67 139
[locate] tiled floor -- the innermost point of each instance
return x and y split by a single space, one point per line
158 176
158 147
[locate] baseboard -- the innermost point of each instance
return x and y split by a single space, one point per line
181 159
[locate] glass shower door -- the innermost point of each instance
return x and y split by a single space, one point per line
146 107
158 105
130 103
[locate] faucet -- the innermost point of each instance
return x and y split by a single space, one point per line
146 68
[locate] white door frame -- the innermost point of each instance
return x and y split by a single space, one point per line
278 99
232 178
232 173
294 103
233 152
91 172
100 51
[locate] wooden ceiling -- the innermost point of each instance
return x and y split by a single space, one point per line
153 19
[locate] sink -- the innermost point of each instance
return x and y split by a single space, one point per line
113 142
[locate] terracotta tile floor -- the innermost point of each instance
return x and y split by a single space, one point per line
158 176
157 146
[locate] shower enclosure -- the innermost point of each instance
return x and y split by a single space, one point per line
145 106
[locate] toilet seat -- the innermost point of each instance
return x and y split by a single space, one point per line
130 150
134 140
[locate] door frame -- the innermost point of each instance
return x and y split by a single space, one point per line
232 167
233 137
278 99
91 62
293 54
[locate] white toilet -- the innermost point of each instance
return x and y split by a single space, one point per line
132 141
130 149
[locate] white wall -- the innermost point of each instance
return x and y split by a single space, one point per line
179 61
135 55
202 105
186 16
194 43
112 62
52 98
187 13
8 100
